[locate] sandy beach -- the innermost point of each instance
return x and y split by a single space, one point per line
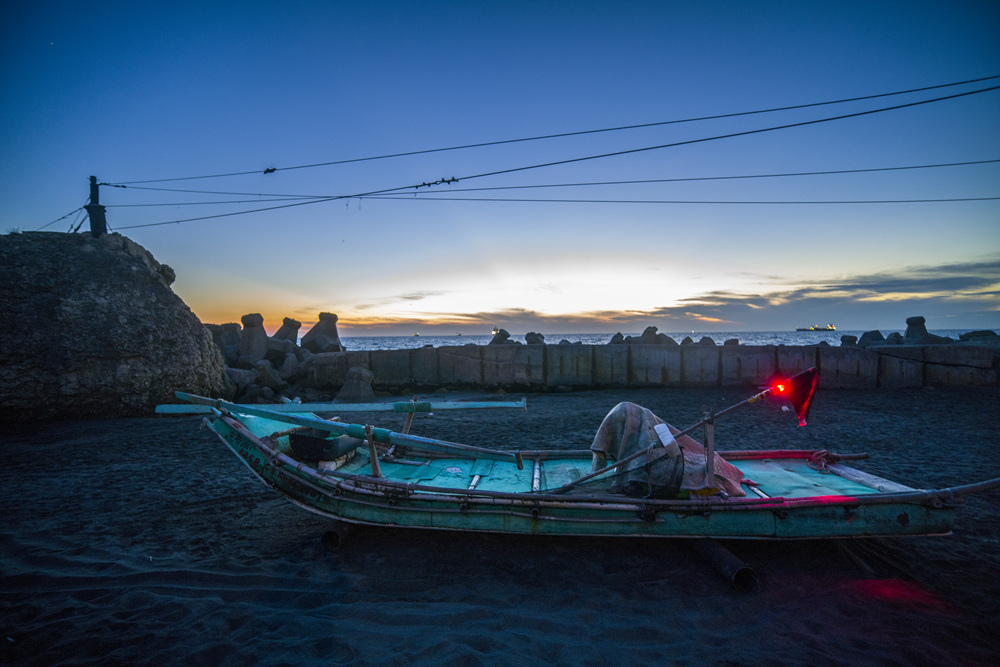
144 541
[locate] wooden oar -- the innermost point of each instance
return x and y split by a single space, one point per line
358 431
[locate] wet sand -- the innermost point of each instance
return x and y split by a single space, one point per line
144 541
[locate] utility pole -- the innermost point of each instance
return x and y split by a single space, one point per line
98 222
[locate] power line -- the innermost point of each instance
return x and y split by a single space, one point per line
711 178
217 192
78 222
209 203
226 215
384 191
271 170
724 136
59 218
275 197
680 201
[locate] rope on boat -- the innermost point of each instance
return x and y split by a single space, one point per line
818 461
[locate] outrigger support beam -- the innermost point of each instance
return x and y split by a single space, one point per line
382 435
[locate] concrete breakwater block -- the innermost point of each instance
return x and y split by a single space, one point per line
611 365
569 365
557 367
514 366
744 365
848 367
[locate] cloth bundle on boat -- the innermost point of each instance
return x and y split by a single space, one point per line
664 472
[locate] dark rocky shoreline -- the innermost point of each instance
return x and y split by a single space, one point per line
92 329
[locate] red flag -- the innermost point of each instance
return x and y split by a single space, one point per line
800 391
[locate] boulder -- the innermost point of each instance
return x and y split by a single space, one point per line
289 330
278 349
706 340
229 342
242 378
648 336
358 386
253 340
323 371
917 334
91 328
532 338
848 341
617 339
916 330
267 376
982 337
895 338
323 337
289 369
871 338
687 341
664 339
501 337
731 341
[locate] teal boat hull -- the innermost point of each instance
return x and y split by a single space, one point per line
792 501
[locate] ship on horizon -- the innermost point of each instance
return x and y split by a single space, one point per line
816 327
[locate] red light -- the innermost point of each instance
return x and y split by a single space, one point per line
780 388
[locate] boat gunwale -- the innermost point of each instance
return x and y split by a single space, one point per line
382 487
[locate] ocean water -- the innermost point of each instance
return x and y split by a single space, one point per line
744 337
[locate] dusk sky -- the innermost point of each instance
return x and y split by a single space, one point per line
139 93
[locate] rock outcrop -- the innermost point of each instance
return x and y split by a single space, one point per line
289 330
502 337
323 337
91 328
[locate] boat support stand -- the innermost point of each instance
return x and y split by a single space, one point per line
334 538
722 560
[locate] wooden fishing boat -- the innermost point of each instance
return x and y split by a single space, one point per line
666 487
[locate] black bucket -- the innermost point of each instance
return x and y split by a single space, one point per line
313 444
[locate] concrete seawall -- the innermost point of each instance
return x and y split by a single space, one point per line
569 367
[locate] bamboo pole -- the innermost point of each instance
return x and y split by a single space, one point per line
356 430
369 436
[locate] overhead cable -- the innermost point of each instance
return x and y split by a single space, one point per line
723 136
271 170
209 203
227 215
708 178
289 196
63 217
371 193
678 201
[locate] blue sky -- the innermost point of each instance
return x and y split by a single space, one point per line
145 91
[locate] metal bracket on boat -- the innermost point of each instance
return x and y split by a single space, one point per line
647 514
